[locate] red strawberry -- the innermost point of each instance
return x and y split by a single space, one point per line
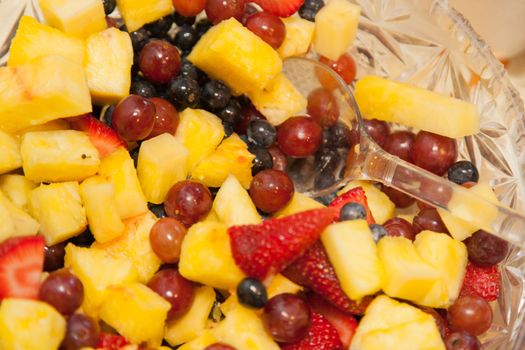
344 323
109 341
313 270
356 194
482 281
21 266
104 138
322 335
268 248
281 8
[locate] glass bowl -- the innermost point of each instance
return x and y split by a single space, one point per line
429 44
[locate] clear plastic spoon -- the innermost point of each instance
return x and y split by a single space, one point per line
369 161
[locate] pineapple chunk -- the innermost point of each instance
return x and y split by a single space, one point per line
53 156
233 205
109 56
280 285
200 343
10 158
206 256
231 157
34 39
194 322
353 252
80 18
30 325
299 35
136 13
97 270
58 208
299 203
335 28
104 220
8 224
200 132
232 53
389 324
53 125
211 217
48 88
415 107
279 100
118 168
136 312
17 189
134 244
15 221
162 163
448 256
381 206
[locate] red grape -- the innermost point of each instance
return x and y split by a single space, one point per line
471 314
159 61
345 66
170 285
433 152
166 239
462 341
166 117
299 137
323 108
219 346
400 199
249 9
271 190
219 10
62 290
81 332
278 158
268 27
287 318
54 257
429 219
189 8
485 249
399 227
248 114
188 201
133 118
378 130
400 143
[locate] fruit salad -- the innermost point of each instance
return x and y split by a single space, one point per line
147 197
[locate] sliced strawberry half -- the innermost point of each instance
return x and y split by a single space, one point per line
281 8
104 138
356 195
109 341
313 270
268 248
21 266
482 281
322 335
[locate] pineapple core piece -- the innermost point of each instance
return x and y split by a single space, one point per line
30 324
136 13
48 88
109 57
415 107
64 155
232 53
10 158
34 39
80 18
58 208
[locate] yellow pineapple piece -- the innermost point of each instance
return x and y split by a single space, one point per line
80 18
232 53
53 125
30 325
46 89
280 285
211 217
299 35
34 39
109 56
136 13
8 224
200 132
134 244
380 205
279 100
104 220
15 221
415 107
299 203
201 342
161 164
206 256
231 157
353 252
64 155
17 189
10 158
97 270
194 322
58 208
233 204
136 312
118 168
389 324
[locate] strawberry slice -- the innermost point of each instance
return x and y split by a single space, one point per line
268 248
482 281
344 323
357 195
21 266
314 271
109 341
104 138
281 8
322 335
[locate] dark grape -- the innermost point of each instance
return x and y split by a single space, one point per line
462 341
170 285
399 227
378 130
166 118
54 257
428 219
188 201
252 293
471 314
340 136
400 144
261 133
352 211
263 160
159 61
299 137
184 92
166 238
278 158
323 108
485 249
433 152
186 38
463 171
109 6
134 118
287 318
215 95
63 291
143 88
189 8
271 190
400 199
160 27
81 332
219 10
268 27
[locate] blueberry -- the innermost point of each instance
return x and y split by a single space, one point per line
160 27
252 293
109 6
189 70
106 115
182 20
261 133
327 160
352 211
216 95
228 129
307 14
202 27
340 136
463 171
184 92
158 210
186 38
231 114
263 160
326 199
139 38
315 5
378 232
143 88
324 179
